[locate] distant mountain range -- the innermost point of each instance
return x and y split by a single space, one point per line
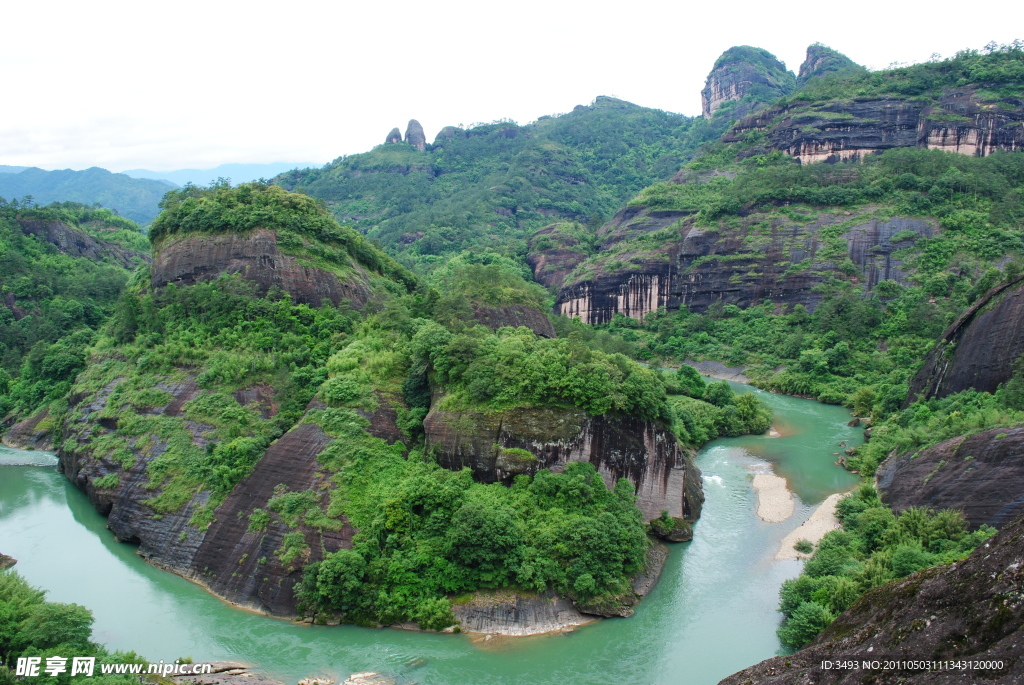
134 194
134 198
238 173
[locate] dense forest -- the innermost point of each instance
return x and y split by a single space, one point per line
132 198
491 186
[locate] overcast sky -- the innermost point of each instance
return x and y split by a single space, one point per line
194 84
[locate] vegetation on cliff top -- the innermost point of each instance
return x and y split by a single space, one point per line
302 225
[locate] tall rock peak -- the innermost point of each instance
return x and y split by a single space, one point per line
752 76
414 135
394 137
822 60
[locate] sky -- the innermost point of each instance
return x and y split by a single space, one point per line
191 84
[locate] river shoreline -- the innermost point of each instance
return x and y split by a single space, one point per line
821 521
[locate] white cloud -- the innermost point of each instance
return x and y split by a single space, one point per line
195 84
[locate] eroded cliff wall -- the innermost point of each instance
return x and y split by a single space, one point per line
978 350
648 455
957 121
781 259
257 257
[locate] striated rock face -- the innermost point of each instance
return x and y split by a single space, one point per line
234 563
33 433
982 475
515 315
837 130
703 266
968 610
978 350
508 613
394 137
71 241
663 475
553 253
414 135
194 258
822 61
745 72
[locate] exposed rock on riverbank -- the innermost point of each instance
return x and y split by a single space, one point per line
981 475
6 561
33 433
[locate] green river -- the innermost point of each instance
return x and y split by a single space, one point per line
712 613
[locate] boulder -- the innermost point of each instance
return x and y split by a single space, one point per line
982 475
394 137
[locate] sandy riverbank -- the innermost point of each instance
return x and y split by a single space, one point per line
774 500
813 529
720 371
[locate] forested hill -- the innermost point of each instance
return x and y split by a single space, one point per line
493 185
134 198
65 266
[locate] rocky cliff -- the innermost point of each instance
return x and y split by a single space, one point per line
961 120
515 315
234 562
77 243
257 257
971 610
650 259
32 433
394 137
981 475
649 456
978 350
749 76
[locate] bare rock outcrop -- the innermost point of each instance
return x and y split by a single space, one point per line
970 610
414 135
959 121
982 475
662 472
32 433
503 612
77 243
515 315
257 257
232 561
394 137
700 266
747 74
978 349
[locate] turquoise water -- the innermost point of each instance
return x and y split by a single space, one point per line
712 613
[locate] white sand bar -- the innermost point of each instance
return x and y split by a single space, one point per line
813 529
774 500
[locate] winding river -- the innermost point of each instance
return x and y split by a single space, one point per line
712 613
